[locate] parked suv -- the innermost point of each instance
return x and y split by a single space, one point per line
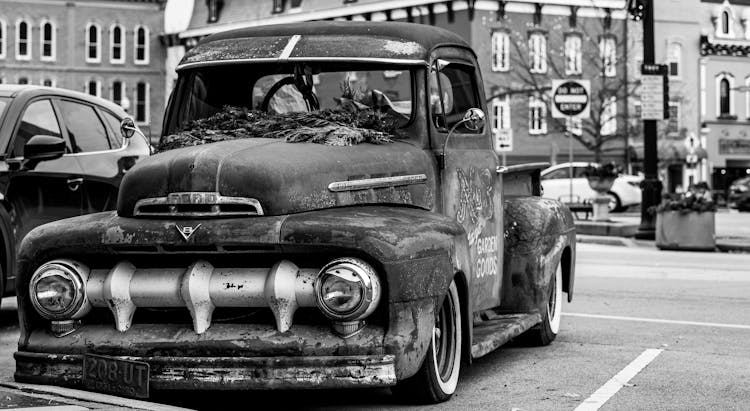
61 155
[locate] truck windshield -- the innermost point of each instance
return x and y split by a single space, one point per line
279 89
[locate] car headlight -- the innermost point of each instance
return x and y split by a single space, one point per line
58 290
347 289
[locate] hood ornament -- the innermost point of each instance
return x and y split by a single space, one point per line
187 231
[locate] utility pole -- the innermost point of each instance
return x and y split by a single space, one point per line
651 186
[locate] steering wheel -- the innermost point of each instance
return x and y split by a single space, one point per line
276 86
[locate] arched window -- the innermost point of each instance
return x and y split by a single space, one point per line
116 51
537 53
47 41
724 97
23 40
725 22
93 43
141 45
142 103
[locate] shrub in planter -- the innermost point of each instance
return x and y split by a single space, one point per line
686 222
601 177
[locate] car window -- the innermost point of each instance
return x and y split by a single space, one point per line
38 119
452 92
115 138
579 172
85 130
559 173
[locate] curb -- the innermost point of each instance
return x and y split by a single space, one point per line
91 397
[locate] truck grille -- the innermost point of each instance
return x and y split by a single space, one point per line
201 288
197 204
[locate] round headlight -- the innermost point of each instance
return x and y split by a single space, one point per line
347 289
57 290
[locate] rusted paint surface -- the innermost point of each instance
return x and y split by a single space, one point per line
410 333
263 168
225 372
537 231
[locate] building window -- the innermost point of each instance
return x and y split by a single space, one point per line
2 38
23 40
48 82
278 6
675 58
141 45
608 120
141 102
93 43
673 124
537 53
118 92
747 98
116 49
574 126
500 51
608 55
537 116
94 88
573 54
47 41
725 98
725 21
23 80
500 114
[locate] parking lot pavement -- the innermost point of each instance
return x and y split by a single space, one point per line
672 326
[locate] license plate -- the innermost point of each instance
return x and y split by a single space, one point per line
115 376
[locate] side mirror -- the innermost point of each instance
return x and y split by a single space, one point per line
127 128
474 119
42 147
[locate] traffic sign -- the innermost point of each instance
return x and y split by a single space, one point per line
654 92
571 98
503 139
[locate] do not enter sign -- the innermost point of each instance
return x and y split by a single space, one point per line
571 98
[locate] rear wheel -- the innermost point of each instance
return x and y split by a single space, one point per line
546 331
614 202
437 378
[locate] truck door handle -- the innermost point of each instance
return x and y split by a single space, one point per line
74 183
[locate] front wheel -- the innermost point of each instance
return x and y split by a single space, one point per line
546 331
437 378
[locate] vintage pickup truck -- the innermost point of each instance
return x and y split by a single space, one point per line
326 210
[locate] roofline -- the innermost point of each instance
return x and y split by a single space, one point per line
211 63
484 5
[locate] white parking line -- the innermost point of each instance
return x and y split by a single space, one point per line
658 320
610 388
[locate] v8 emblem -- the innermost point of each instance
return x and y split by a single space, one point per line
187 231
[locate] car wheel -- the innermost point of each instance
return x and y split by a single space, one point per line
437 378
546 331
614 202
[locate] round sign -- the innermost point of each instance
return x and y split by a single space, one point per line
570 98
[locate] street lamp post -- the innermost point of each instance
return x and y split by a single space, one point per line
651 186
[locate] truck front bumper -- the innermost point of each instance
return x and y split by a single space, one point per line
225 357
223 373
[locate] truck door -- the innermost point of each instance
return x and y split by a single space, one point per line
471 187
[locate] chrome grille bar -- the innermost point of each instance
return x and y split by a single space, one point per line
197 204
200 288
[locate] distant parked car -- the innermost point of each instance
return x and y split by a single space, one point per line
625 192
739 194
61 155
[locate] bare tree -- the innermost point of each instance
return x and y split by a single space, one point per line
594 62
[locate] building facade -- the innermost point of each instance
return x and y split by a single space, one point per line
107 48
521 44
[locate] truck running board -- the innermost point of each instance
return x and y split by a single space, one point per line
491 334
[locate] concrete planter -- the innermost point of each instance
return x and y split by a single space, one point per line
685 231
601 184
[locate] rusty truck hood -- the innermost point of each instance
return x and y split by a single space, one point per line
286 177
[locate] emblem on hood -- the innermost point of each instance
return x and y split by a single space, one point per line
187 231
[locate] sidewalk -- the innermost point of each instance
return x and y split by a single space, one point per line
732 231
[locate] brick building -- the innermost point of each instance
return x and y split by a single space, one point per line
521 44
107 48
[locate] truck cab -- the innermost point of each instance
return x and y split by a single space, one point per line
326 210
